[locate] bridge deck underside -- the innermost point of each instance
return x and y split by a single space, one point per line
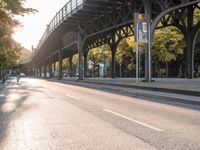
98 21
92 16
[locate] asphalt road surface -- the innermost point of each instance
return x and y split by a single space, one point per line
43 115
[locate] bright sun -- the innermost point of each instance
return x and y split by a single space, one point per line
34 25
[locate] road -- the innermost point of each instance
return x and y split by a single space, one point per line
45 115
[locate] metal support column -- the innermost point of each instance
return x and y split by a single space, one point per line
30 71
50 67
190 41
113 61
80 71
70 66
33 71
148 47
54 69
37 71
60 64
45 71
40 71
113 47
85 64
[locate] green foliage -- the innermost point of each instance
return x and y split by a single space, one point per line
14 7
100 54
126 53
75 63
197 15
167 45
75 60
66 63
9 49
197 53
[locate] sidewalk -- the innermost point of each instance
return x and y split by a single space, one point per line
178 90
2 86
171 85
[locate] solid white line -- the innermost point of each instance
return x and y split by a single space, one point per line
76 98
133 120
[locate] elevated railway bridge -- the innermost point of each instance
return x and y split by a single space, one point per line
85 24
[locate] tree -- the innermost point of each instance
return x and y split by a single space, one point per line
9 49
9 54
197 45
101 54
8 10
75 64
168 44
197 15
125 56
197 56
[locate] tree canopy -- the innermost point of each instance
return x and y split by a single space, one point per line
10 49
168 44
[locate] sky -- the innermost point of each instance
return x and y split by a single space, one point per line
34 25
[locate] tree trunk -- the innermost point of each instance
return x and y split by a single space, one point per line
167 70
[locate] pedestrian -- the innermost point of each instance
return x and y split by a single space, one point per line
18 75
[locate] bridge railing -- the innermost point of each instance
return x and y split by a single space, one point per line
66 11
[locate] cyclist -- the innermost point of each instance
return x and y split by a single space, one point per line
18 75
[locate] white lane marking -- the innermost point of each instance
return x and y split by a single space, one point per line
135 121
76 98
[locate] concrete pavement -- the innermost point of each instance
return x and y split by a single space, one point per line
176 90
38 114
35 116
2 86
171 85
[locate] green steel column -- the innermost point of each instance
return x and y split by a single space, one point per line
45 71
50 67
190 41
70 66
80 61
40 71
148 70
113 47
60 64
85 64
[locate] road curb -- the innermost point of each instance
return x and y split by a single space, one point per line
140 94
167 98
157 89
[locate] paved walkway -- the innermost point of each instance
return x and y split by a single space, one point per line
176 90
172 85
41 115
2 86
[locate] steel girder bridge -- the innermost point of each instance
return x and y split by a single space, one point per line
85 24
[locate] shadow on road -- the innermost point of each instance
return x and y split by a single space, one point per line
12 106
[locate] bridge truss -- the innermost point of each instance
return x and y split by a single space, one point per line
85 24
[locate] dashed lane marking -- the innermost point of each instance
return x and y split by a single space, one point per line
135 121
73 97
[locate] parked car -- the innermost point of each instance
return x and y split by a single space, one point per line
22 74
